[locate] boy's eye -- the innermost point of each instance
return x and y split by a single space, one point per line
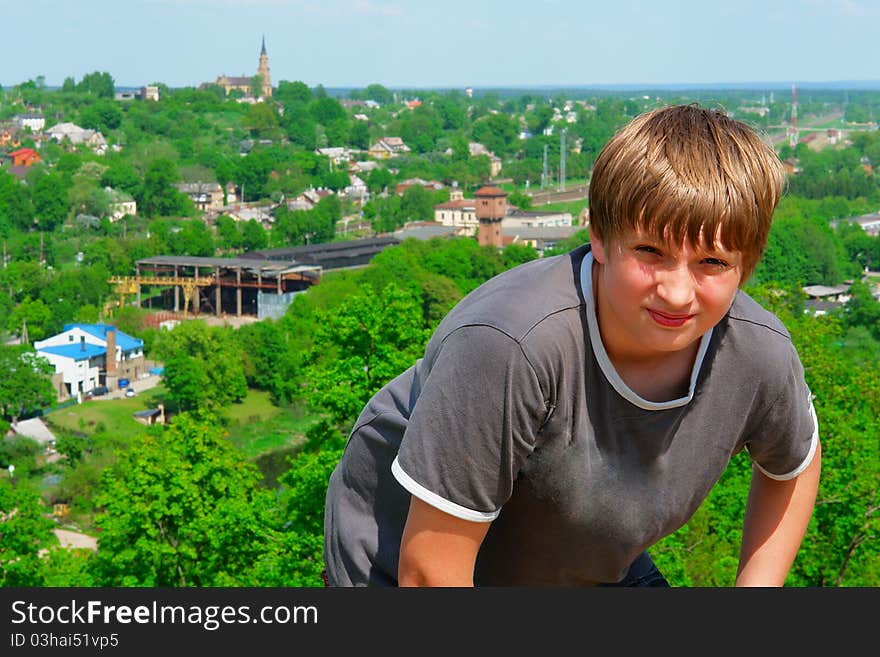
717 262
647 248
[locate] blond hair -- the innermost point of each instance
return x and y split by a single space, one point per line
686 172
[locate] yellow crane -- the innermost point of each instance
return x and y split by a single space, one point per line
131 284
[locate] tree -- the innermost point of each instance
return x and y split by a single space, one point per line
203 366
362 345
862 309
97 84
36 315
378 93
497 132
50 200
24 531
290 93
417 204
159 196
103 115
26 382
16 210
181 508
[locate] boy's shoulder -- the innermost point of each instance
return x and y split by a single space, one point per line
516 299
747 314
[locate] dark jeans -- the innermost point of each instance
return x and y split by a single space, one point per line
642 572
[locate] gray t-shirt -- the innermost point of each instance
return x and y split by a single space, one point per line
515 415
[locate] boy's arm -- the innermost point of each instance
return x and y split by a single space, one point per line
438 549
776 519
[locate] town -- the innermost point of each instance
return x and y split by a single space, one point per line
217 277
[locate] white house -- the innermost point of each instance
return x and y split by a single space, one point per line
535 219
35 122
120 204
77 135
461 213
80 355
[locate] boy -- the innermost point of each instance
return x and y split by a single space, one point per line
572 411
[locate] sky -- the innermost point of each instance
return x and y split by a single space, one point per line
413 44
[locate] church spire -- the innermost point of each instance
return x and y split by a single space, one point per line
263 72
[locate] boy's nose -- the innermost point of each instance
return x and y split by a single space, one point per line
675 286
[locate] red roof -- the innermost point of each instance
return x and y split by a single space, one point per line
490 191
29 152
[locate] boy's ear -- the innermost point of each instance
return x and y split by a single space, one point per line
597 246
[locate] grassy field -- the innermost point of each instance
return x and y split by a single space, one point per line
573 207
114 416
255 425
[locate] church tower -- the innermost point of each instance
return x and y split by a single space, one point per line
263 72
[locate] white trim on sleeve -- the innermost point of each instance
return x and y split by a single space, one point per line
438 502
809 458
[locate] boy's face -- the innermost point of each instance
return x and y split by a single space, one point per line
655 297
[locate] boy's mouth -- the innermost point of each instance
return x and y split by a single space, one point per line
665 319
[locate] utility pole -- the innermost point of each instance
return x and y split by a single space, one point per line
562 160
544 171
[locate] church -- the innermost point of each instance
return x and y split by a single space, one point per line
244 83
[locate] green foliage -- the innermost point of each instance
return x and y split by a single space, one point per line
203 366
362 345
181 509
842 544
26 385
24 530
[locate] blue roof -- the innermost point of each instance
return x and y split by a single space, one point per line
75 351
123 340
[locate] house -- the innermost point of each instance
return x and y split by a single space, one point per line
205 195
87 356
870 223
425 230
356 189
77 135
151 416
539 237
120 204
476 149
308 199
10 135
148 92
429 185
24 157
35 429
337 154
535 219
388 147
460 213
363 167
244 212
36 122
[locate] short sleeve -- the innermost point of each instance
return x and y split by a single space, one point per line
474 424
785 440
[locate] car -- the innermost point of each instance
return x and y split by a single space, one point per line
97 392
129 392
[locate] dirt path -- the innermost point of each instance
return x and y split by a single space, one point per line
71 539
